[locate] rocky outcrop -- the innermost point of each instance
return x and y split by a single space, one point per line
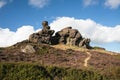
85 42
43 36
71 37
66 36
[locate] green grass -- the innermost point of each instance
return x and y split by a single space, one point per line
26 71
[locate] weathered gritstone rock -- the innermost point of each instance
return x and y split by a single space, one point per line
43 36
66 36
71 37
28 49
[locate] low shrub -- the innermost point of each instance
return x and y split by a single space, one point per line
29 71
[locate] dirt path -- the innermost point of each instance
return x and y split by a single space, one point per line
87 59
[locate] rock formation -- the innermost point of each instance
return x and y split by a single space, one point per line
71 37
66 36
43 36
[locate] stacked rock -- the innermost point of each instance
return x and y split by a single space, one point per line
43 36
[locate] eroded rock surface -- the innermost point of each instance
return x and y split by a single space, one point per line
71 37
66 36
43 36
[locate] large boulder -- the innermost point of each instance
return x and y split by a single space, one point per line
71 37
68 36
28 49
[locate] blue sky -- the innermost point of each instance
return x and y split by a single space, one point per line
17 13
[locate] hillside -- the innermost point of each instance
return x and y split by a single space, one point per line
65 56
100 61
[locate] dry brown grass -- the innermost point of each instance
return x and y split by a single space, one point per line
92 55
65 47
105 52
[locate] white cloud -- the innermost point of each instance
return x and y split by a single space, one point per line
90 2
8 37
4 2
38 3
113 4
89 28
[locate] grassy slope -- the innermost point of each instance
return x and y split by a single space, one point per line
25 71
70 58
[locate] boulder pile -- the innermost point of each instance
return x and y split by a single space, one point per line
66 36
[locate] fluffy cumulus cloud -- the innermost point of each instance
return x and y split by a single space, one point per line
89 28
4 2
8 37
113 4
38 3
90 2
